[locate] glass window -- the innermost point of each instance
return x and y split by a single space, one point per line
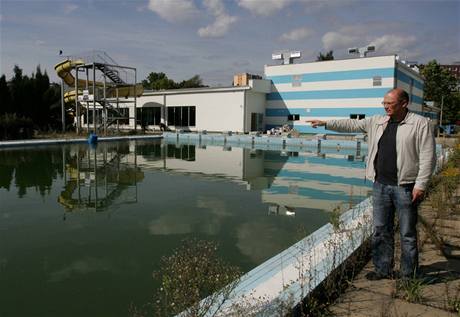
192 116
156 115
296 80
177 116
170 115
377 81
184 121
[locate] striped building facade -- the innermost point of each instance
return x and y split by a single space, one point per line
351 88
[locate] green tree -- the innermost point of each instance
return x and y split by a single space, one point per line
451 108
5 97
328 56
439 87
194 82
159 81
25 100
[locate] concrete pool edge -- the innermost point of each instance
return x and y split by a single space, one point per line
22 143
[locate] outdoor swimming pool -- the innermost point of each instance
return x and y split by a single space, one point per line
82 229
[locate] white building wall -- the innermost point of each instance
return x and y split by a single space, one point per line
215 111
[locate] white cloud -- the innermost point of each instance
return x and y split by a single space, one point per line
335 40
174 10
216 7
296 34
70 7
394 44
219 28
222 22
264 7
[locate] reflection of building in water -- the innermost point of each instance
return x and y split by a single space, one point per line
287 180
99 178
315 182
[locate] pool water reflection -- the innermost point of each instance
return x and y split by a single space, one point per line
83 229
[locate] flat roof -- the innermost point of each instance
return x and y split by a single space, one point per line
333 60
194 90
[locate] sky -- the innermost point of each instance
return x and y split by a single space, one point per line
219 38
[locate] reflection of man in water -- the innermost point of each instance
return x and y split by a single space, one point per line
400 161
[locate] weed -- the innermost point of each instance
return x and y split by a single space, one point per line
453 300
411 289
191 273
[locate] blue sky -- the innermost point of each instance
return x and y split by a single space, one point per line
218 38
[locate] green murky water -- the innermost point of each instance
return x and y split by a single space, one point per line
82 230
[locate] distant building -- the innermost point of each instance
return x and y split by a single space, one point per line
454 69
243 79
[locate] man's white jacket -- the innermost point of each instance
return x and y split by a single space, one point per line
415 145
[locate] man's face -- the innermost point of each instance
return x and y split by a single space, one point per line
393 106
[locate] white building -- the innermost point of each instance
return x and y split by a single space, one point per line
290 94
351 88
237 109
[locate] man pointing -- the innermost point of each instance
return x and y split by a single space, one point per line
401 159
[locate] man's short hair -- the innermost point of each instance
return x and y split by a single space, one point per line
403 96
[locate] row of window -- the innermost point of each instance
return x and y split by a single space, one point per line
182 116
177 116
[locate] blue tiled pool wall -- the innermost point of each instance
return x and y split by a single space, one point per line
275 142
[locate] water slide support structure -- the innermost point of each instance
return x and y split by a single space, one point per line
115 89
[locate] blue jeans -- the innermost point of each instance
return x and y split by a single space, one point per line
386 200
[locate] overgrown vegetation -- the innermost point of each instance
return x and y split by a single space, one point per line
193 272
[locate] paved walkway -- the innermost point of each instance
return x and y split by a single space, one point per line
439 234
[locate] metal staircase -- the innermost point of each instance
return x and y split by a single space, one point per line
111 73
113 114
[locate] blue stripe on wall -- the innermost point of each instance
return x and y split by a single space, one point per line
356 181
315 193
338 75
417 99
323 112
328 94
330 161
407 79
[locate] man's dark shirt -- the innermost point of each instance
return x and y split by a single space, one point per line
385 162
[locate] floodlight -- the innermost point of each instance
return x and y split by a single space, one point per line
353 50
362 51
